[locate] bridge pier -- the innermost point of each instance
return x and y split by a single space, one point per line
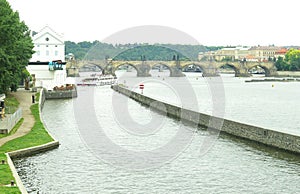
140 74
271 72
176 72
210 72
108 70
143 70
242 72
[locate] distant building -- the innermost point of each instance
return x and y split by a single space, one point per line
200 56
230 53
48 46
256 53
264 53
70 56
226 53
281 53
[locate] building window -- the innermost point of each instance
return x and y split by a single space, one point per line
55 45
38 53
47 53
56 53
46 45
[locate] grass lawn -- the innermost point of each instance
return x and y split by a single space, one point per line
37 136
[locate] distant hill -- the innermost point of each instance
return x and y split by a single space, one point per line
98 51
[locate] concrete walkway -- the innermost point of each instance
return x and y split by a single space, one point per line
25 99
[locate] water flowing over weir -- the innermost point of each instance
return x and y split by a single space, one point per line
231 165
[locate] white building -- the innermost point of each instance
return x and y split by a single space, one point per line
232 53
48 46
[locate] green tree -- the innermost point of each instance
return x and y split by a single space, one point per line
281 65
16 48
292 57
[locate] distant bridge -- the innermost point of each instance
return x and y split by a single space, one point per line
209 68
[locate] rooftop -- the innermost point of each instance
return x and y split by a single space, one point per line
265 48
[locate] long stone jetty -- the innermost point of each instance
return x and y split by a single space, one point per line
268 137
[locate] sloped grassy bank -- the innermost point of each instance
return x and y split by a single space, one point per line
36 137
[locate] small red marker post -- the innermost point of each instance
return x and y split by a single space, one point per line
142 88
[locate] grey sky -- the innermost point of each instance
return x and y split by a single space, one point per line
210 22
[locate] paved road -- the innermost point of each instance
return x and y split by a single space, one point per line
24 97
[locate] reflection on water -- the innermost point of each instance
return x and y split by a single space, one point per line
230 166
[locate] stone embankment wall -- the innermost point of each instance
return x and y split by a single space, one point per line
265 136
33 150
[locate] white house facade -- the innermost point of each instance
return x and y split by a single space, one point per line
48 46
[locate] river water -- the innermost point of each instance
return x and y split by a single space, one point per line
229 166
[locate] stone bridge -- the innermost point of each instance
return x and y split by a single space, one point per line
209 68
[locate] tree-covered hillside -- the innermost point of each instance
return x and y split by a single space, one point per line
150 52
98 51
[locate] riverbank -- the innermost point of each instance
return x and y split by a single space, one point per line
274 80
288 74
256 134
30 138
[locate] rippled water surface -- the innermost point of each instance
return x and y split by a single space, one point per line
229 166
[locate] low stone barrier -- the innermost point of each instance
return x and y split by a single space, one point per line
24 153
33 150
265 136
19 182
60 94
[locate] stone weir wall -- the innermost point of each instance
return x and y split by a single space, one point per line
60 94
265 136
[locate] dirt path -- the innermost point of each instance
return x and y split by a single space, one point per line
25 99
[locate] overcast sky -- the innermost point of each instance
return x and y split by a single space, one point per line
210 22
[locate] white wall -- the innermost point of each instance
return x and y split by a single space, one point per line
49 52
48 46
47 79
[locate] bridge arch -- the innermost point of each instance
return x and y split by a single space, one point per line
257 70
161 64
115 68
90 67
261 65
230 65
202 68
